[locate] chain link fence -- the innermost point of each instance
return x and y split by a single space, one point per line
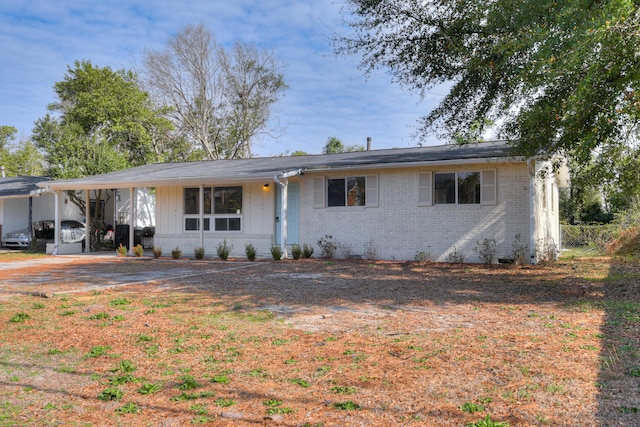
594 237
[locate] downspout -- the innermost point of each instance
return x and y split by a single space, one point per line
283 206
532 210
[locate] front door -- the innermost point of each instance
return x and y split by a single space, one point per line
293 220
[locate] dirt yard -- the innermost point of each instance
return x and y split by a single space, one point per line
119 342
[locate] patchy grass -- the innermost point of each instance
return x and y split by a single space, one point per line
343 343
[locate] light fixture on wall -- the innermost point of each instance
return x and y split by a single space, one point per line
266 186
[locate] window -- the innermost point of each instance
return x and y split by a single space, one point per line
222 206
463 188
348 191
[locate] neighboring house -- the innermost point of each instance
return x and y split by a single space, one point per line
440 199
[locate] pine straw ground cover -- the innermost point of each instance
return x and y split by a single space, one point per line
322 343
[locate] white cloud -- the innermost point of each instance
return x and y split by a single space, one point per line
328 95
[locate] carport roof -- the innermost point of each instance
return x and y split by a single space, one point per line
263 168
21 186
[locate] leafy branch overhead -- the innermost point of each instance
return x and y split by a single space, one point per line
554 76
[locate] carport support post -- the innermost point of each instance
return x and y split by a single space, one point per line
201 212
87 221
132 212
56 219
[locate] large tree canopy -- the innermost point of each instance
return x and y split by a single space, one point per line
18 158
103 122
220 101
553 75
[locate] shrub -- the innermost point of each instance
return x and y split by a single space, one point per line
138 250
370 250
176 253
251 252
296 251
307 251
455 257
276 252
122 250
520 251
328 246
223 250
424 257
346 251
199 252
157 251
486 250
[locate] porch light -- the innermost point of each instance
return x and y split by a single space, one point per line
265 186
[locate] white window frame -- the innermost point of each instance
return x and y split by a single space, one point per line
488 187
212 216
371 191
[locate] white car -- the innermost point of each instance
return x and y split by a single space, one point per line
72 231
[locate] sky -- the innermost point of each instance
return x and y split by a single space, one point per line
328 95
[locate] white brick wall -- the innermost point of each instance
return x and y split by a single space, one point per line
400 228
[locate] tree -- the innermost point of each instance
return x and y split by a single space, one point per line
334 145
220 102
104 122
556 76
21 158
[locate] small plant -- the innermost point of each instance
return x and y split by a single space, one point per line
346 250
455 257
301 382
276 252
343 390
251 252
471 407
129 408
111 393
424 257
487 422
199 252
157 251
223 250
124 366
224 403
149 388
370 250
307 251
99 316
486 250
220 379
519 251
188 383
98 351
138 250
328 246
19 317
296 251
119 301
176 253
122 250
346 406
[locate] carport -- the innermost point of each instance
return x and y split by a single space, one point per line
85 186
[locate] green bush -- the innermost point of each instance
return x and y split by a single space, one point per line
176 253
199 252
122 250
223 250
157 251
307 251
296 251
138 250
276 252
250 251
